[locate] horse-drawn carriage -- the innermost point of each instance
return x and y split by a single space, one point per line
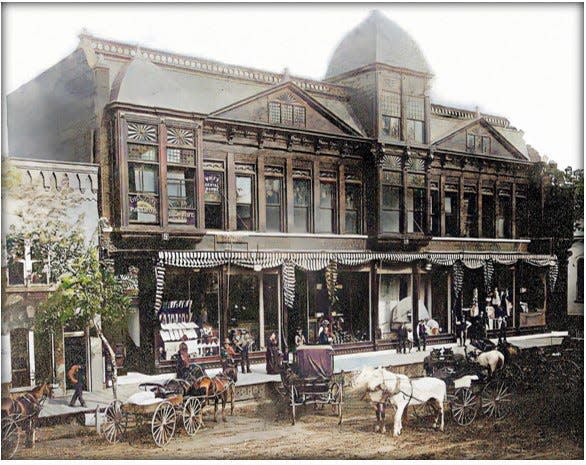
311 380
21 414
162 405
157 405
472 388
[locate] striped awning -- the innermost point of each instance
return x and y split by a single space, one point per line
318 260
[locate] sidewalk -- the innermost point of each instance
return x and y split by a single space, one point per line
128 385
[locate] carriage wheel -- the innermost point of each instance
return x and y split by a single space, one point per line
115 422
337 397
192 416
513 375
464 406
163 423
496 399
10 438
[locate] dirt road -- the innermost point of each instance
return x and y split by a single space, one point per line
264 431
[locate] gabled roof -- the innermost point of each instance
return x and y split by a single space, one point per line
498 135
318 106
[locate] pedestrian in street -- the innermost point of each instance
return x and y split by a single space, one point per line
299 342
402 334
421 334
273 356
76 375
244 343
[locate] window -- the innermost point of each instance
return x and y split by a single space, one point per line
416 204
504 217
214 199
435 213
353 208
415 119
286 114
28 262
469 207
471 142
451 209
522 211
391 115
301 205
580 280
326 222
391 202
485 148
181 193
488 229
274 201
244 203
391 127
143 183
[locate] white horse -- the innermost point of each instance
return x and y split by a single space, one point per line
384 387
493 360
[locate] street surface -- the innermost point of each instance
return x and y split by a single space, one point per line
537 429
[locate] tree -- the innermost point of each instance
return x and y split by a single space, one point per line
88 296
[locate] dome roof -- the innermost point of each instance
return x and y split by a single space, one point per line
377 40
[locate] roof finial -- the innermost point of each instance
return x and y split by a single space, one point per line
286 76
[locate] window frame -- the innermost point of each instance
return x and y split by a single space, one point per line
306 178
354 185
275 173
253 203
296 112
398 186
330 178
221 203
411 211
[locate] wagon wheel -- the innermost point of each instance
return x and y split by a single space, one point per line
513 375
192 420
464 406
10 438
496 399
163 423
337 397
293 398
115 422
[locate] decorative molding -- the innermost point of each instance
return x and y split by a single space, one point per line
273 170
416 164
179 136
392 162
459 113
244 168
139 132
299 173
213 165
327 174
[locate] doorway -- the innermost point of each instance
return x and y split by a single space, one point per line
75 353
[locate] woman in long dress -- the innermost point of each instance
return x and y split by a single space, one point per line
273 356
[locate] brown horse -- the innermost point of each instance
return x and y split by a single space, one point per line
221 387
25 409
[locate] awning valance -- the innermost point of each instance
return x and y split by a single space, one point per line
318 260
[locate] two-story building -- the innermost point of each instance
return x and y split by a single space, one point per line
259 200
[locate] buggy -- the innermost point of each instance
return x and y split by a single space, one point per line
311 381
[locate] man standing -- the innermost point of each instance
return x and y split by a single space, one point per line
244 342
402 335
421 334
76 375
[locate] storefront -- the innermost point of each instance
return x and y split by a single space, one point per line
204 297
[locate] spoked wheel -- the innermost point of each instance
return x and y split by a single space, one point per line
192 415
10 438
163 423
115 422
337 397
496 399
464 404
513 375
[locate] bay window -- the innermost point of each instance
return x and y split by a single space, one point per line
143 183
391 202
214 199
416 204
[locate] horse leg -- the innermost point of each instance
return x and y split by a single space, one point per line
232 396
224 399
378 416
398 414
383 412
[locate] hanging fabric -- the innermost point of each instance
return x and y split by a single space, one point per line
488 269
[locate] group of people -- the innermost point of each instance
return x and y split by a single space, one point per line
238 345
417 338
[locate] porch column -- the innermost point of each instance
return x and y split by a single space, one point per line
373 284
415 296
261 311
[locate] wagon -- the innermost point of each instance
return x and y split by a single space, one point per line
311 381
161 411
470 389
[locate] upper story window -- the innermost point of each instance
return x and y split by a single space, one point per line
504 216
181 176
434 202
521 211
286 114
274 199
143 181
214 195
390 115
416 203
452 210
27 262
301 201
477 144
488 210
353 205
245 198
391 188
326 222
415 119
470 211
